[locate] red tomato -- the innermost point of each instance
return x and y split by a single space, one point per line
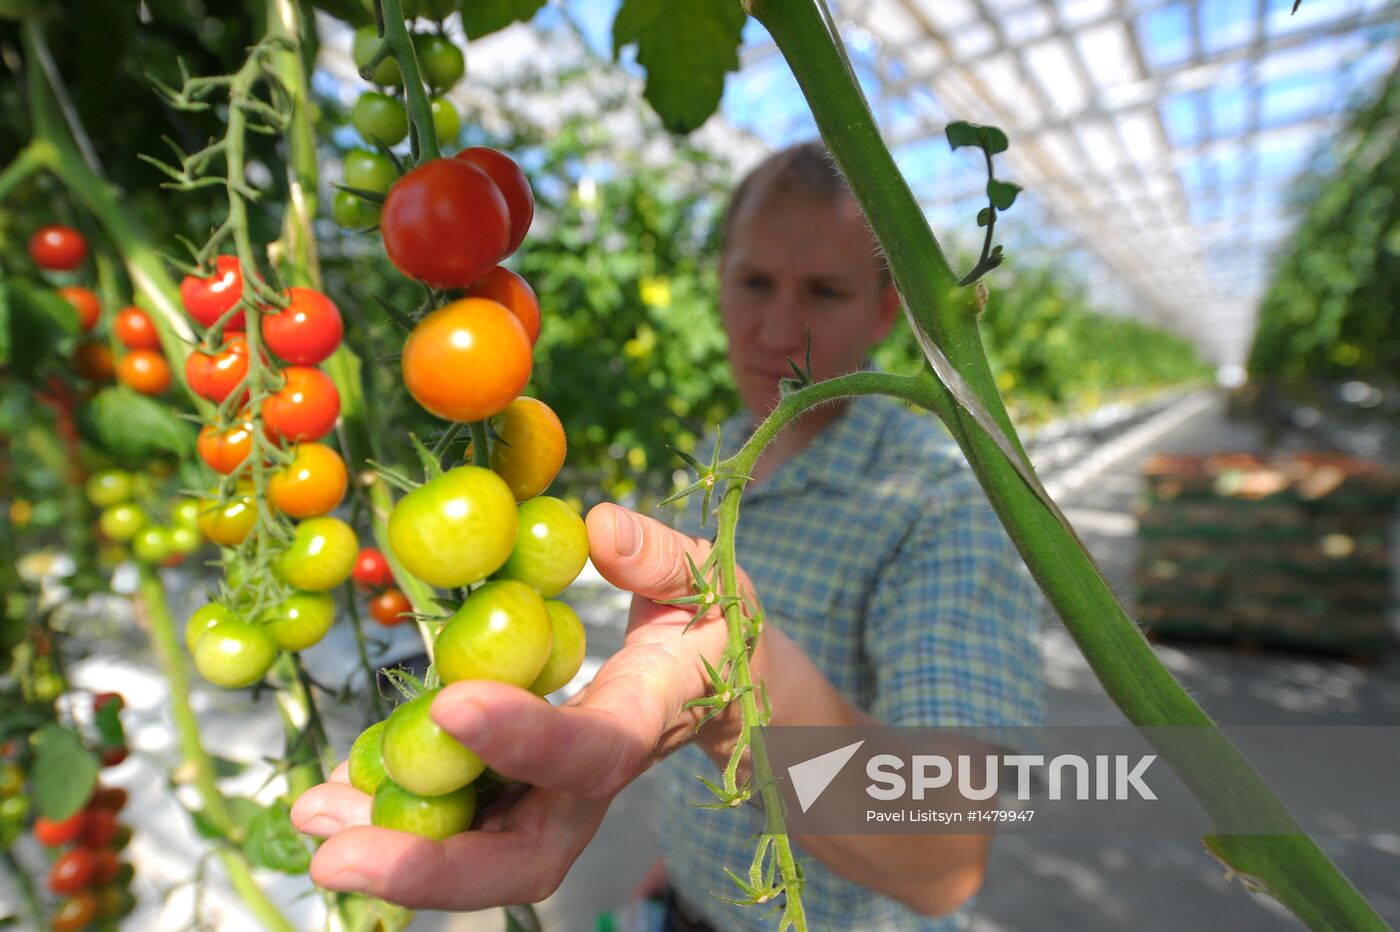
105 866
72 871
53 834
113 756
513 185
372 570
57 248
93 361
85 302
111 798
134 330
445 223
144 370
208 299
513 292
305 409
390 607
215 376
225 450
98 828
306 331
467 360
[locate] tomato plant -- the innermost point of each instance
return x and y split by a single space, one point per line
567 648
456 529
146 371
320 556
306 331
436 817
442 62
134 329
422 758
85 302
208 299
312 484
226 523
57 248
532 447
467 360
380 118
234 654
225 450
305 408
215 375
502 632
514 293
372 570
445 223
514 188
72 871
551 546
204 618
300 621
367 761
390 607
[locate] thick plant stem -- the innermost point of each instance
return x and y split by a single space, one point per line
1289 867
301 261
215 809
420 113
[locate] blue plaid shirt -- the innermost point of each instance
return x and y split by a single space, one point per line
877 552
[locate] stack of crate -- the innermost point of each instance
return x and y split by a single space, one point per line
1289 550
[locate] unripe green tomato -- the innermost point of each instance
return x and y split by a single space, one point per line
455 530
566 649
369 171
363 49
234 654
152 545
502 632
320 557
367 760
422 758
48 686
377 116
14 808
300 621
441 62
184 539
9 833
120 522
446 123
435 817
353 213
109 487
185 513
551 546
11 779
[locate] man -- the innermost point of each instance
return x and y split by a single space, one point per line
891 592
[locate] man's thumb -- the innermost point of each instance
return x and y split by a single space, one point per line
641 554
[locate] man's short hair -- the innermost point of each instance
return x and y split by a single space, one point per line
806 170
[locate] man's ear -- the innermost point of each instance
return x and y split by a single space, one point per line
888 313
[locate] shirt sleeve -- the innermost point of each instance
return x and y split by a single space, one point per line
953 622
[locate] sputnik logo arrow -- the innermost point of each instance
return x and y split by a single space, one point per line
811 777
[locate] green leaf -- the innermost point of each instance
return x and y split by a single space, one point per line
274 843
131 426
686 47
984 216
37 324
64 772
987 138
1002 194
483 17
242 811
110 733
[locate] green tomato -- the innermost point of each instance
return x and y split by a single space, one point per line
379 117
455 530
14 809
422 758
234 654
48 686
369 171
353 213
11 779
109 487
152 545
367 760
320 556
184 539
300 621
185 513
446 123
435 817
502 632
120 522
363 49
566 649
442 63
551 546
204 618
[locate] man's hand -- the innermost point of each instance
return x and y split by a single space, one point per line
575 758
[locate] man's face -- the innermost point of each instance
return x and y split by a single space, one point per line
794 262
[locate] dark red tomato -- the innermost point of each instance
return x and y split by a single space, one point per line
215 376
372 570
100 701
53 834
110 798
305 409
445 223
98 828
208 299
134 330
77 912
72 871
113 756
105 866
390 607
57 248
306 331
513 185
85 302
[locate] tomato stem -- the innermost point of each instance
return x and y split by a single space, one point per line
481 452
422 136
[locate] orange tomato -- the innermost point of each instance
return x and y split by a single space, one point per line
311 485
226 523
467 360
85 302
134 330
144 370
390 607
225 450
513 292
533 448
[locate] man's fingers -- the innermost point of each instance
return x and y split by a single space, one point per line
640 554
330 808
